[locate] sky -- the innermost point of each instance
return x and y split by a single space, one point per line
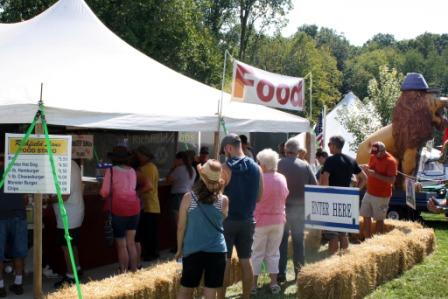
360 20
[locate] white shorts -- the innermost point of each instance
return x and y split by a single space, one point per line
374 206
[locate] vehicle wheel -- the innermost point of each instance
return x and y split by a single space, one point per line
394 215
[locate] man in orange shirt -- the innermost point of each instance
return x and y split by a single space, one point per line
381 173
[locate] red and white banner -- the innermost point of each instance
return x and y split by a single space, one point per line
252 85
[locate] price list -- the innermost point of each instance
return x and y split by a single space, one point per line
32 171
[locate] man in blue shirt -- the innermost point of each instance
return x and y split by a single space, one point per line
244 187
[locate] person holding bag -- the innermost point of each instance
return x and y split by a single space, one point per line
119 187
200 237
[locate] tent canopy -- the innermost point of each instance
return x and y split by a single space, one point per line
92 78
334 127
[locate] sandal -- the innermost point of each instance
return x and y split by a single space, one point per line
275 289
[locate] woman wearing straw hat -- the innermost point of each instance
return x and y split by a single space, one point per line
119 187
200 238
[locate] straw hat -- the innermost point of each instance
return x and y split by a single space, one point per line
210 174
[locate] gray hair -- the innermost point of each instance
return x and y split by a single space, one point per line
292 146
268 158
338 141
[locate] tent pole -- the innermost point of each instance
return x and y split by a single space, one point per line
217 133
37 231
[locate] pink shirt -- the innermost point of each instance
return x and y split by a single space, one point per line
125 201
271 209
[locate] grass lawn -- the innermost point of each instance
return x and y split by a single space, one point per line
426 280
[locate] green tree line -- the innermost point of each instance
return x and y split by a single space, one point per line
190 36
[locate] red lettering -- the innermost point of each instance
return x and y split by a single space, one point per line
282 100
260 90
296 95
240 72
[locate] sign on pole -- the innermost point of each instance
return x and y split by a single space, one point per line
410 193
332 208
252 85
32 171
82 146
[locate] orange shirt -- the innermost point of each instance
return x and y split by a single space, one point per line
386 166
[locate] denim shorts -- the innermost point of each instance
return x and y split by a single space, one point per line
14 235
121 224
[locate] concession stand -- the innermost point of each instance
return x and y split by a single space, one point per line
96 84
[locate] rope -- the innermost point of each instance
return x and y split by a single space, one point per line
62 209
415 178
40 114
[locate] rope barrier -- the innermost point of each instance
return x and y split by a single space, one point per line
415 178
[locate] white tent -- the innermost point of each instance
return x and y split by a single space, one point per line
94 79
334 127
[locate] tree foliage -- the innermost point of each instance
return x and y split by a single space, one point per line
190 36
376 110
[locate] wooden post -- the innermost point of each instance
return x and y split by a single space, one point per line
37 237
216 146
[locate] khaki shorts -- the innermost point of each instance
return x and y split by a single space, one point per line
374 206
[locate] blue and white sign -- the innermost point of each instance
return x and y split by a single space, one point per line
332 208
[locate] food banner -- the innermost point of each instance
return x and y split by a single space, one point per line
253 85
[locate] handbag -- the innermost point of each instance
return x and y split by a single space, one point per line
108 229
193 195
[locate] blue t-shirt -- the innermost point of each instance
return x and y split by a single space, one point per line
243 188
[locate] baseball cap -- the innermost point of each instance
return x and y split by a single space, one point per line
231 139
204 150
377 147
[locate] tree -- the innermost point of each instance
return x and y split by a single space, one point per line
361 121
297 56
261 14
380 41
376 112
361 68
383 93
18 11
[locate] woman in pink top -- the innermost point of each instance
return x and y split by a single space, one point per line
119 187
270 218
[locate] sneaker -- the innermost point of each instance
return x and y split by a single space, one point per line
281 278
16 289
48 272
64 281
275 289
3 292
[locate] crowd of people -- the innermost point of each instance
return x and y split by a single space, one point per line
253 203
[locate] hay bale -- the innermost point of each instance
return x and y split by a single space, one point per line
363 267
160 281
313 239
